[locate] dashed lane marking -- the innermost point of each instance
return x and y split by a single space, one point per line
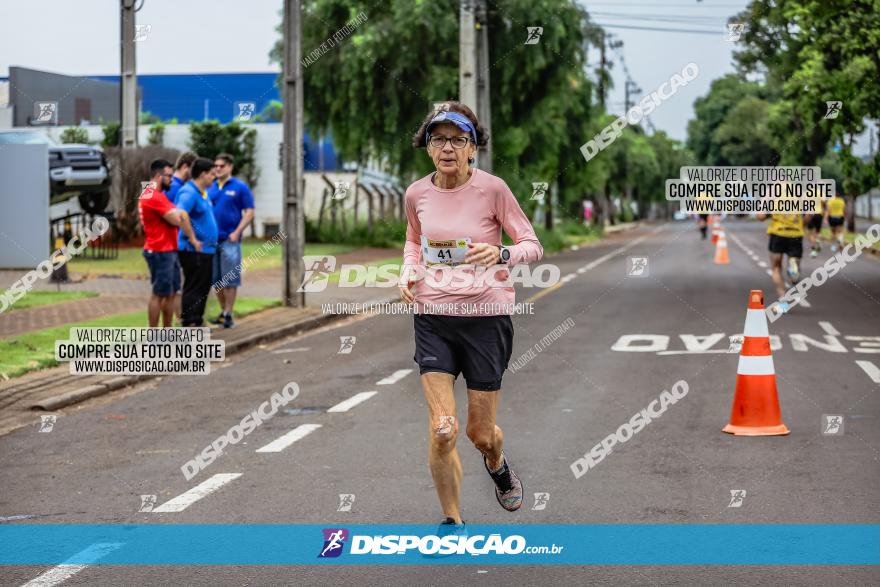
203 489
353 401
64 571
283 442
870 369
394 377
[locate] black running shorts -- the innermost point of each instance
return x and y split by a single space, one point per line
477 346
815 222
835 220
787 245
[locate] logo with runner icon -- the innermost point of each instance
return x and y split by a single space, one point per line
346 344
534 35
317 272
832 425
737 496
148 502
541 500
47 423
539 190
833 109
334 540
637 267
346 500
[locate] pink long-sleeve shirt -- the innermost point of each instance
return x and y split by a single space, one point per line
478 210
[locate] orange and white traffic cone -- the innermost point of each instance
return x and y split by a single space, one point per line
716 232
755 402
721 255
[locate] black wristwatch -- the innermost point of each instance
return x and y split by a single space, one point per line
505 254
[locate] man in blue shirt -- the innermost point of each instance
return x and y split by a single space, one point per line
197 265
234 210
182 172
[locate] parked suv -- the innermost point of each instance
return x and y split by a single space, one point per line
74 170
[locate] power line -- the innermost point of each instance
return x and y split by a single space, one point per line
662 30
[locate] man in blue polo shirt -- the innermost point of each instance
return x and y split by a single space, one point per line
182 172
234 210
193 199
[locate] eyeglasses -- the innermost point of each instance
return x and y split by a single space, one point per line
438 142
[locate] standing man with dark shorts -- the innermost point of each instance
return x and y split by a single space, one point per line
160 220
197 264
454 220
233 205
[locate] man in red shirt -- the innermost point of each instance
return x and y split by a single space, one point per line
160 220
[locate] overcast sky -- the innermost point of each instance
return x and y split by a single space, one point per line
188 36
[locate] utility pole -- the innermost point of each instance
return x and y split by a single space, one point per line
484 109
293 224
128 78
603 64
467 55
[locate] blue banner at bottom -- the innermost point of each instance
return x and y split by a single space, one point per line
526 544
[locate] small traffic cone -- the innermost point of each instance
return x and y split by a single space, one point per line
755 402
721 255
716 232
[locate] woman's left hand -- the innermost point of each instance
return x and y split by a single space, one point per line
482 254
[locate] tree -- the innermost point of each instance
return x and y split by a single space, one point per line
211 138
373 89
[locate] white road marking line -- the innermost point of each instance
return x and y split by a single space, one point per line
296 350
768 272
203 489
352 401
826 326
709 352
871 369
394 377
762 264
286 440
65 571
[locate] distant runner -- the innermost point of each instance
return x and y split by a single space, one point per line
814 227
786 238
836 209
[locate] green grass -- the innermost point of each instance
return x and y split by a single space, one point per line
44 298
131 263
36 350
334 277
848 237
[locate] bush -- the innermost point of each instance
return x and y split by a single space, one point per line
75 134
129 169
389 233
211 138
156 135
111 135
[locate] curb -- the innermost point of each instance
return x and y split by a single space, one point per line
97 389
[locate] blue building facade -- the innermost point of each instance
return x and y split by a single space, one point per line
194 97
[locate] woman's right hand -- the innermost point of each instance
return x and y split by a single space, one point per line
406 293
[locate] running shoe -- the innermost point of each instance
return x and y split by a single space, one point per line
783 307
793 271
508 489
814 253
448 527
833 248
228 322
219 319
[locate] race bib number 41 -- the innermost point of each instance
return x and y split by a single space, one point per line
446 252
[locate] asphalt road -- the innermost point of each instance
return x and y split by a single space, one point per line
101 456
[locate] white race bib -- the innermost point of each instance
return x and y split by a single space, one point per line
445 252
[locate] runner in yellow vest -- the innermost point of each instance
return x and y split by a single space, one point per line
814 227
836 211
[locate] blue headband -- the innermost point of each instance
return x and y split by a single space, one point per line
459 120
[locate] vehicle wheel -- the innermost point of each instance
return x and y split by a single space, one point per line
93 202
